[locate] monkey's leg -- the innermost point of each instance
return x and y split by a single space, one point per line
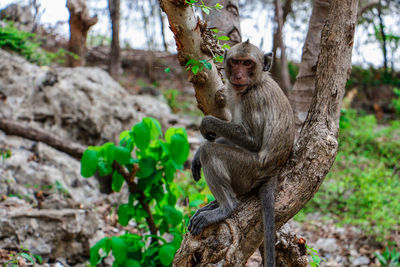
228 172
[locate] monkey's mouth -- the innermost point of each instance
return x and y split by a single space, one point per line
239 86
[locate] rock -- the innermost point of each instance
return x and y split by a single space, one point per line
20 15
327 245
52 234
35 167
82 104
360 261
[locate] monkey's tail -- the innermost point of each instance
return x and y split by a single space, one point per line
266 195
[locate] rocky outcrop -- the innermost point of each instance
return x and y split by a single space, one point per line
81 104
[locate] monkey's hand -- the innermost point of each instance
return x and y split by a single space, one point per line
208 128
196 166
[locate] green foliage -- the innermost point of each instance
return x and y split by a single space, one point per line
197 66
389 258
396 101
315 258
363 186
364 78
28 45
293 71
171 96
206 9
24 256
154 192
5 153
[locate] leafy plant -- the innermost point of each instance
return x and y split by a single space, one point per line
315 258
28 45
171 96
363 186
396 101
5 153
206 9
197 66
24 256
389 258
153 196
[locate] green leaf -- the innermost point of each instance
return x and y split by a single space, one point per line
179 148
225 46
126 140
157 192
172 215
27 257
169 171
89 162
119 249
195 69
123 215
166 254
167 70
104 168
219 6
147 166
206 10
117 181
154 126
38 258
223 38
215 30
132 263
191 61
95 257
172 199
122 154
142 135
109 152
219 59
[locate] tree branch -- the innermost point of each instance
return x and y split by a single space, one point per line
195 41
231 242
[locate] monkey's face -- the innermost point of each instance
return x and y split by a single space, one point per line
241 72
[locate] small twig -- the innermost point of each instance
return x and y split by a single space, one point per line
134 189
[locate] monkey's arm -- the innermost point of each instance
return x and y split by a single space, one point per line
212 128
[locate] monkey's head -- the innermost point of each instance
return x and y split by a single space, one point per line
245 64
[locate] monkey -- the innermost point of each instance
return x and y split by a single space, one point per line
245 155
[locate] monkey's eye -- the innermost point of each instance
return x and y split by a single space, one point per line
234 62
247 63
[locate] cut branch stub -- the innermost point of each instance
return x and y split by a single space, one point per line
192 43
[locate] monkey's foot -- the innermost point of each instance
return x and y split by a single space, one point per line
198 222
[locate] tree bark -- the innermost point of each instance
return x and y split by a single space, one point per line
284 80
275 68
227 20
115 53
195 41
79 24
12 127
303 89
231 242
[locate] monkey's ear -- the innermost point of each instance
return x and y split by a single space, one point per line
268 61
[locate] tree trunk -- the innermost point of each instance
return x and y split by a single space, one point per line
284 80
231 242
115 53
79 24
303 89
226 20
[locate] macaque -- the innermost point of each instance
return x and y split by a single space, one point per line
246 154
